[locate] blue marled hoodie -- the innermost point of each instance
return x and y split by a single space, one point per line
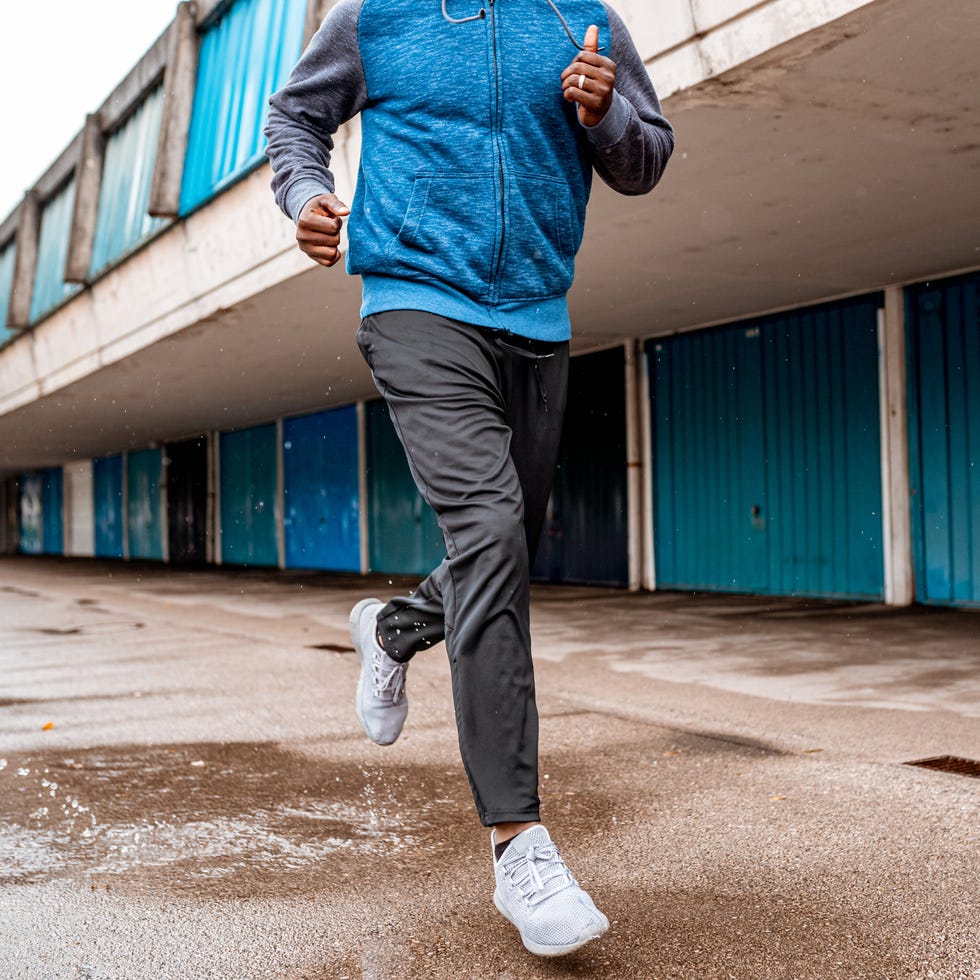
475 172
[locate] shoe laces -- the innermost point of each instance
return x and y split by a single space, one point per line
539 873
385 679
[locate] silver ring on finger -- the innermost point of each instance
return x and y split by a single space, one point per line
581 82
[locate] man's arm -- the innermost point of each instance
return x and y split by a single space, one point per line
326 89
631 140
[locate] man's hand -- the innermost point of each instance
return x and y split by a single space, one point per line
589 81
318 228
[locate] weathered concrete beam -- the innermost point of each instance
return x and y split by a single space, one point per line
25 261
88 183
128 94
179 79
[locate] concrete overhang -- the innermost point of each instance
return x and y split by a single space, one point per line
842 161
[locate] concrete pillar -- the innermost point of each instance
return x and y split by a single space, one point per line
179 80
316 10
25 261
896 517
88 183
634 466
646 457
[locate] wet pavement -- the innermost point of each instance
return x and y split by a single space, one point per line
185 791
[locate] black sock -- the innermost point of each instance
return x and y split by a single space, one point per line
498 849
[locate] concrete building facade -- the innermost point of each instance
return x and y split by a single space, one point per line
776 386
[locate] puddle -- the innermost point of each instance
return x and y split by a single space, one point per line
91 629
235 819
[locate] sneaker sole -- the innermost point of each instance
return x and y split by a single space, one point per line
353 622
586 936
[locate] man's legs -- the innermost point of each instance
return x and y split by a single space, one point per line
479 415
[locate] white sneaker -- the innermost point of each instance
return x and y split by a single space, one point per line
537 893
381 702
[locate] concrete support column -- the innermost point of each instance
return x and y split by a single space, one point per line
316 10
25 261
636 533
88 183
895 493
179 80
646 456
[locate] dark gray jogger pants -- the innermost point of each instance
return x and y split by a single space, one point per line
479 414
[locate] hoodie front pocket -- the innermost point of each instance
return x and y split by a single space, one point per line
538 259
449 231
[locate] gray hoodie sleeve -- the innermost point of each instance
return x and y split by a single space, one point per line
326 89
632 144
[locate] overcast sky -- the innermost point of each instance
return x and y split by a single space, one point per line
59 59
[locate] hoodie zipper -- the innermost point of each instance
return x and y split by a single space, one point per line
498 142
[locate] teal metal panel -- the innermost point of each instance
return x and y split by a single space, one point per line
31 526
127 171
245 55
403 534
322 496
767 455
585 537
50 288
7 256
944 436
107 491
144 504
52 511
248 496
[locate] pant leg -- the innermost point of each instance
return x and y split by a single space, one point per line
446 384
534 390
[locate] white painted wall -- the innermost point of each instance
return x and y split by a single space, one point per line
79 509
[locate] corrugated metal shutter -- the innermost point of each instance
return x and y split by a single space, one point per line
585 536
144 504
7 256
53 511
122 222
944 436
248 496
767 455
50 288
403 534
108 502
31 527
322 497
244 57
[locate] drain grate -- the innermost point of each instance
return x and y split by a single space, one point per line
950 763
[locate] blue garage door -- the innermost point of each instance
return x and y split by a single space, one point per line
144 504
248 497
767 455
322 499
52 511
107 491
944 436
402 529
